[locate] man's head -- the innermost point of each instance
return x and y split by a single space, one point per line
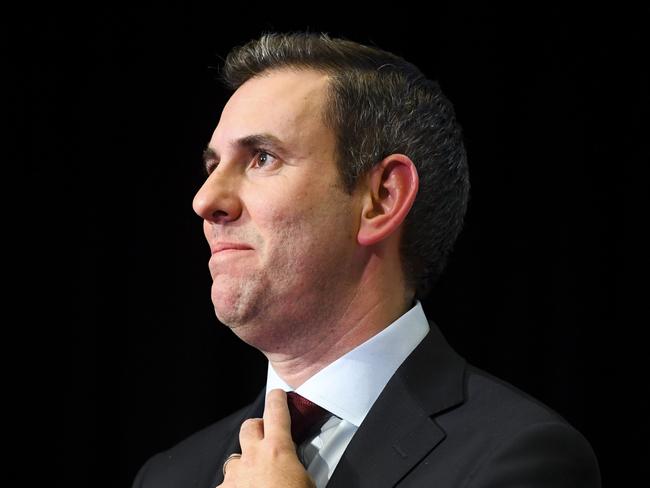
378 104
276 216
312 173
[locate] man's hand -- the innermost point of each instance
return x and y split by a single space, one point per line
269 456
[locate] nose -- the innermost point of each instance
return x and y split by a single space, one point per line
217 201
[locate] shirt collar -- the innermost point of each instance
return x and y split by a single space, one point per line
349 386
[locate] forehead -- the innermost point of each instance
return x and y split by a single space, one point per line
285 103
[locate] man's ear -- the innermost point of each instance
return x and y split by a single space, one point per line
389 195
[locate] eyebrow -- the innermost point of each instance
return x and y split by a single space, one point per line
247 142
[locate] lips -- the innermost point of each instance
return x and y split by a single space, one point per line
229 246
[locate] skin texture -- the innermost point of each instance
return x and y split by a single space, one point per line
291 211
301 269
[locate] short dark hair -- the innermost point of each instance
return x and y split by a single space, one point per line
379 104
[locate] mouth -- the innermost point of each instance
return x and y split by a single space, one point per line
224 247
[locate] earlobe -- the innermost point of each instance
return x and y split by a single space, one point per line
392 186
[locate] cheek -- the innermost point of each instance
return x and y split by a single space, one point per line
302 220
314 233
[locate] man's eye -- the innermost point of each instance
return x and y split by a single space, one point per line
263 159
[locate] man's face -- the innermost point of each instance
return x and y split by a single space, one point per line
280 226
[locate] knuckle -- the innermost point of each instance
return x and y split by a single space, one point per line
277 448
249 424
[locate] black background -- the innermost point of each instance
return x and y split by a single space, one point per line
112 349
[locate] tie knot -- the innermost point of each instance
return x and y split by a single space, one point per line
306 416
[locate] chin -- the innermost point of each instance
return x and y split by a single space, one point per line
230 312
234 306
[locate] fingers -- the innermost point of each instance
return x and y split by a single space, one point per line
230 465
268 455
276 424
277 421
251 430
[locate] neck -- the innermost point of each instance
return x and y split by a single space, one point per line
370 307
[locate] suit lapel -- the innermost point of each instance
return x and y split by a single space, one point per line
399 429
255 410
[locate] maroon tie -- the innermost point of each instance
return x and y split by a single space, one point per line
306 416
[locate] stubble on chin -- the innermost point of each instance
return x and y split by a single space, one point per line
257 308
237 301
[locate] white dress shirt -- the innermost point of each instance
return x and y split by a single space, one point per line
349 386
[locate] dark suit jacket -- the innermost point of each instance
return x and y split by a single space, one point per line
439 422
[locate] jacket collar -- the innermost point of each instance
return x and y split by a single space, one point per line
399 429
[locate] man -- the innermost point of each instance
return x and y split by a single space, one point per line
337 184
